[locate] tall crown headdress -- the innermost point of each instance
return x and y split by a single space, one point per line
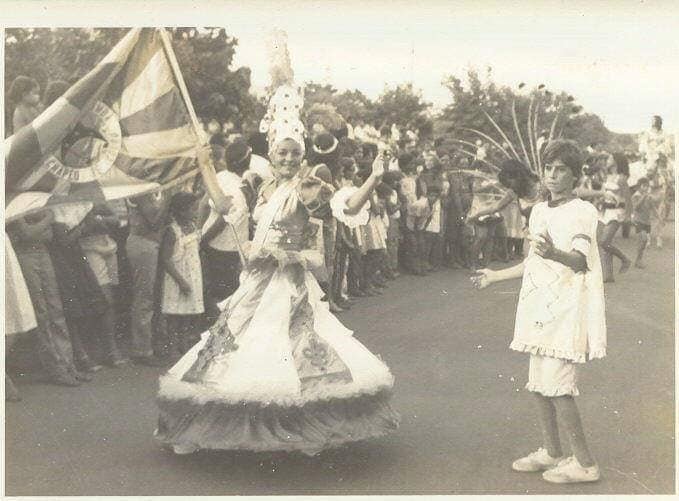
282 119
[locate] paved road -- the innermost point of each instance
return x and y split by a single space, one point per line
459 390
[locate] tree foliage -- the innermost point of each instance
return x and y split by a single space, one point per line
474 99
222 93
401 105
205 56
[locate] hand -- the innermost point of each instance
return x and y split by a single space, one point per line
379 165
483 278
204 155
543 245
49 217
184 287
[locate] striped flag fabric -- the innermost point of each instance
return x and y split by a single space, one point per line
122 130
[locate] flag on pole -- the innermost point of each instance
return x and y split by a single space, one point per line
123 130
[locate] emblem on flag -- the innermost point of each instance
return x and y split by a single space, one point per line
89 157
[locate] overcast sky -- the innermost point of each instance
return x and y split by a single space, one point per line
619 58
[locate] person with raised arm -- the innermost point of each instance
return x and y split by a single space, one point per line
278 371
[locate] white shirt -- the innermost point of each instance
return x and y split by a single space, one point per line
434 225
238 215
636 170
261 167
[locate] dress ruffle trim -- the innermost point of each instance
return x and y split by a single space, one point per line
309 429
544 351
338 204
559 391
201 393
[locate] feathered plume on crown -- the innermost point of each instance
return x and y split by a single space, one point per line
285 105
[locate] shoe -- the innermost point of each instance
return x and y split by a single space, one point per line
82 376
343 303
115 359
625 266
334 308
539 460
66 380
184 449
639 265
569 471
357 294
86 365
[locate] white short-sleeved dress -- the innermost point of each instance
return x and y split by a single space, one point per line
560 317
186 258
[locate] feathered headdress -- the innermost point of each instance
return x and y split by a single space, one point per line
282 119
527 148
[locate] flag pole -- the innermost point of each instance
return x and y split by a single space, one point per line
167 45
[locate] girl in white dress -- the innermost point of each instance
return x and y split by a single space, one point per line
616 199
182 296
560 318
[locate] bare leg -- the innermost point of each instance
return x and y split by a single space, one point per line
549 426
478 244
607 243
643 240
606 258
570 418
11 392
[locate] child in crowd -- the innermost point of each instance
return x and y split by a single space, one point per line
433 229
345 246
100 252
643 206
383 193
453 254
615 198
375 237
560 317
25 94
392 180
658 189
182 286
485 224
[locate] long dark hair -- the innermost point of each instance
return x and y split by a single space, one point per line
514 175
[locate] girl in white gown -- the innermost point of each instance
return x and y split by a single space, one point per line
278 371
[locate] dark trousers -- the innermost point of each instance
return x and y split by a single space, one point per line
355 278
221 271
53 340
340 267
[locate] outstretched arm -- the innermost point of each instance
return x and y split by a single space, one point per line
496 207
485 277
358 199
